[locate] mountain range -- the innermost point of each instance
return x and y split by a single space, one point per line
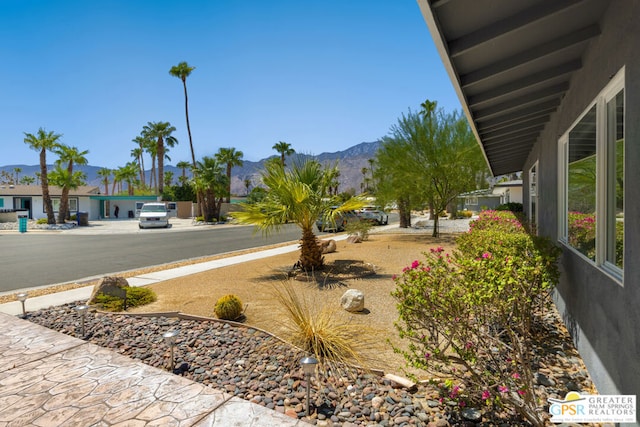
350 163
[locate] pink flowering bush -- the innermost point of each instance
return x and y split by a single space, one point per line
471 315
582 233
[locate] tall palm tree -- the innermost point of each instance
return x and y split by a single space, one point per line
247 185
70 156
17 171
231 158
128 173
105 174
161 132
142 145
182 71
183 165
44 141
284 149
136 154
27 180
299 195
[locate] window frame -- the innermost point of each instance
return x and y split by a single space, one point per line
533 196
603 178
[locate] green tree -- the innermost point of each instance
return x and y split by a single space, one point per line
68 156
284 149
17 171
211 183
161 133
299 195
182 71
105 175
67 180
139 151
183 165
27 180
44 141
229 157
247 185
168 178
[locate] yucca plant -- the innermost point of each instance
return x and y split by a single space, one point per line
325 332
228 307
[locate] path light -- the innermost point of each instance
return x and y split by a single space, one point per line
170 339
82 309
22 297
308 367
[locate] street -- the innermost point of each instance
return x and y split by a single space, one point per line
39 259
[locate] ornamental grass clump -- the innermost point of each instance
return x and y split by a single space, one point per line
136 296
472 316
325 332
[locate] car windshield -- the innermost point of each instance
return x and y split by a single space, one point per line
154 208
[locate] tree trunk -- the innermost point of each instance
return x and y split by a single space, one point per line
436 229
63 210
46 198
310 252
404 212
160 165
229 182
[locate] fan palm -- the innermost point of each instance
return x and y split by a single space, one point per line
299 195
161 133
182 71
284 149
71 156
44 141
105 174
211 182
229 157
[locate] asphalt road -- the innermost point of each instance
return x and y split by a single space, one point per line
40 259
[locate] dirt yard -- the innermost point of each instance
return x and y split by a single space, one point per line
253 282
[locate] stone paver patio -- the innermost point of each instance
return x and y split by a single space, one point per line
51 379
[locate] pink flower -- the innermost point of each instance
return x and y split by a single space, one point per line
468 345
521 392
394 277
515 375
503 389
426 269
427 356
486 395
486 255
415 264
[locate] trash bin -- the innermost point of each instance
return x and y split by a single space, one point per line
131 214
23 218
83 218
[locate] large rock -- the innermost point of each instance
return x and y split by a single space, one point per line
109 285
328 246
353 301
354 238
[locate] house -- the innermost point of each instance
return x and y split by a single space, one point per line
82 199
491 198
552 89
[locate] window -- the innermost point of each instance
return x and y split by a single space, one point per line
73 204
592 181
471 201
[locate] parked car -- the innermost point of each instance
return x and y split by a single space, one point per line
153 215
374 215
340 222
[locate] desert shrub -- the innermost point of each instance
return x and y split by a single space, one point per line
359 228
511 206
200 218
73 217
325 331
41 221
464 214
136 296
228 307
470 315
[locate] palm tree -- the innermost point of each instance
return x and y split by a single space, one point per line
27 180
182 71
183 165
299 195
17 171
168 178
231 158
247 185
63 178
43 141
128 173
211 182
143 143
105 174
161 132
284 149
70 156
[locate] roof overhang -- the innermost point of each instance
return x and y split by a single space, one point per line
511 62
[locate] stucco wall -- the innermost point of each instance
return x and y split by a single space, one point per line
603 315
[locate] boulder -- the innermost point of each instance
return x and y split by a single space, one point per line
353 301
354 238
327 246
109 285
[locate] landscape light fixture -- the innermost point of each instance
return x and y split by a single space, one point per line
308 367
82 309
22 297
170 339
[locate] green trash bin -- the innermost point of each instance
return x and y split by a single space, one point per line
23 218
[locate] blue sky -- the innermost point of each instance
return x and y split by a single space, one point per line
322 76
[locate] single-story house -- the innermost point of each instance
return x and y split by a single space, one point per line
83 199
552 89
491 198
